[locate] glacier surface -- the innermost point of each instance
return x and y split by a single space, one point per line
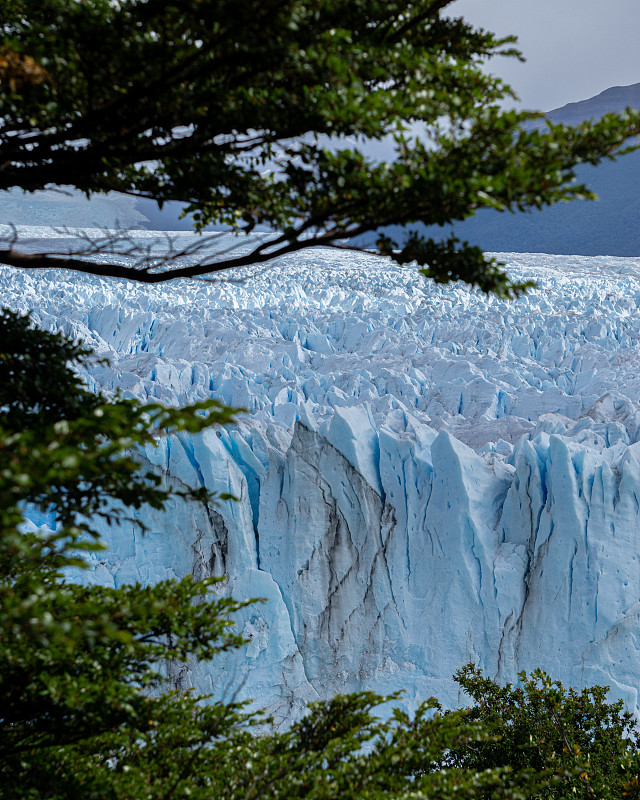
426 476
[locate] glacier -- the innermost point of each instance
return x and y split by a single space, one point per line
426 476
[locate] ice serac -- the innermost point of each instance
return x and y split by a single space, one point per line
427 476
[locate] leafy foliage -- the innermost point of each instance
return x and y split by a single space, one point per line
256 113
589 745
228 106
78 663
342 749
68 451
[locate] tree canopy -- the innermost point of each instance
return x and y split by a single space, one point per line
589 746
256 113
252 113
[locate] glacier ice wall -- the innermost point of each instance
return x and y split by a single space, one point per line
426 477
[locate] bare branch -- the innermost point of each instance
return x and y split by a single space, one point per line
162 260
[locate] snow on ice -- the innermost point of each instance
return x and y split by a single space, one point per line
426 476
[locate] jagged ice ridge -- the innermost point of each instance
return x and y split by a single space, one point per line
427 476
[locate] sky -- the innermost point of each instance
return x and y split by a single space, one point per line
575 49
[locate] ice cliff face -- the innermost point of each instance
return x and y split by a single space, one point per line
427 476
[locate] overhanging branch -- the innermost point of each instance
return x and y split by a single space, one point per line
150 274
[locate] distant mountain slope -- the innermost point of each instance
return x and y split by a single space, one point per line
611 100
609 226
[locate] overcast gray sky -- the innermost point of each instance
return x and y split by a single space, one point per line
575 49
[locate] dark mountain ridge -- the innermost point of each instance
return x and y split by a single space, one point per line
607 226
611 100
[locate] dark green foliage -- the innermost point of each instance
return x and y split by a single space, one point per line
343 751
228 107
591 747
36 387
608 226
69 452
453 260
77 664
191 101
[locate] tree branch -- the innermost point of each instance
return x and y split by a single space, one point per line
149 274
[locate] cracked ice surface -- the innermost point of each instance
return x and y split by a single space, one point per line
427 477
